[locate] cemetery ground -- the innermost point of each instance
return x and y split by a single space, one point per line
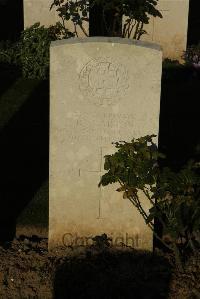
27 269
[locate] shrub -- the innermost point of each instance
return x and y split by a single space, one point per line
31 52
34 51
9 53
174 197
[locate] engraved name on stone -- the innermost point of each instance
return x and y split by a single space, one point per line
84 127
103 81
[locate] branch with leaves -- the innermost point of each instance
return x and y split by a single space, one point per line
174 197
137 14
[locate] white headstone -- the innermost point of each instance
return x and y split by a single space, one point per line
170 31
39 11
102 90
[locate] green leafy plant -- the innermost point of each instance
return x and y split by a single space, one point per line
76 11
137 12
57 32
9 52
34 44
31 52
174 197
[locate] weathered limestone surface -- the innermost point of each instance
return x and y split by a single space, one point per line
170 31
102 90
39 11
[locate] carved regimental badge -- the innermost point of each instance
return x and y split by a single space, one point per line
103 81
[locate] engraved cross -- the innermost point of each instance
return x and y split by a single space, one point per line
100 172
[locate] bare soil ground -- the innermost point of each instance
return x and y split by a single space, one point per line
28 270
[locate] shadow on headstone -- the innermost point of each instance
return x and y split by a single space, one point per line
134 274
24 143
11 19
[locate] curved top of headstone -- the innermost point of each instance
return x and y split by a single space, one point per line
105 39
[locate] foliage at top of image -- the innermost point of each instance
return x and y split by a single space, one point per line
34 44
174 197
31 52
137 12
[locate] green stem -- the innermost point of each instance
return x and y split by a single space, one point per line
151 226
130 31
140 209
75 31
140 31
135 201
63 21
136 30
148 196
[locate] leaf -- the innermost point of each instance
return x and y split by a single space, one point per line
84 13
107 162
107 179
67 16
121 189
